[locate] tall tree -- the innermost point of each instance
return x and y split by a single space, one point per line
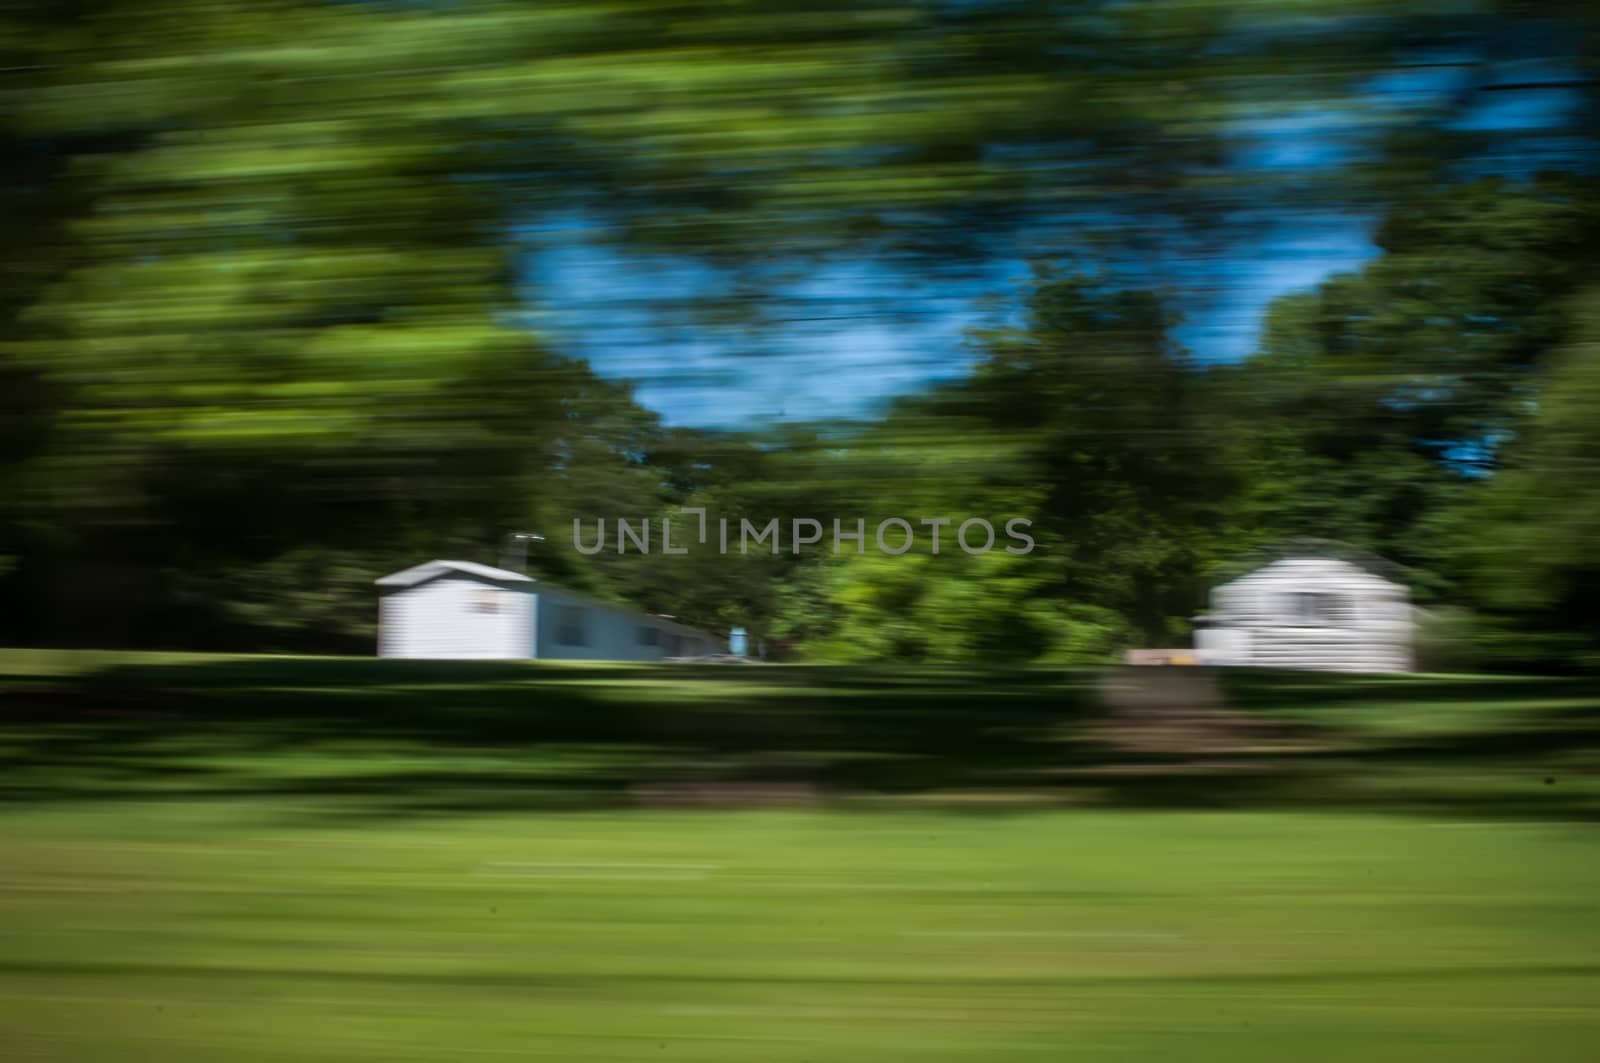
1381 397
1084 419
1527 542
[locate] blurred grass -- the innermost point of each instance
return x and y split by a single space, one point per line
227 930
343 859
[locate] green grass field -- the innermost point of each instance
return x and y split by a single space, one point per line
299 859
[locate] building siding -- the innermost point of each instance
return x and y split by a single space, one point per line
484 615
456 617
1311 613
610 632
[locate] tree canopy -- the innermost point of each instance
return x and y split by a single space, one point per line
264 317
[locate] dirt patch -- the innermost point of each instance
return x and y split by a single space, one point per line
1180 710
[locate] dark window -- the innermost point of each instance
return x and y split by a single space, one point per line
486 602
571 626
1311 609
649 636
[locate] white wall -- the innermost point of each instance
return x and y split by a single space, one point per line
447 618
1360 623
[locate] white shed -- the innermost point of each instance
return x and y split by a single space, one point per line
461 609
1317 613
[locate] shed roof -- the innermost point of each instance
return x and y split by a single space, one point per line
1316 569
1307 549
409 577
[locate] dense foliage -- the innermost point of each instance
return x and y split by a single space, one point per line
262 335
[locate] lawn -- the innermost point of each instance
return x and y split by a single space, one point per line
243 931
293 859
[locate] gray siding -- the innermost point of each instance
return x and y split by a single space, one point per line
574 627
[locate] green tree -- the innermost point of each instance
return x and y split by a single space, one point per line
1086 420
1382 398
1527 541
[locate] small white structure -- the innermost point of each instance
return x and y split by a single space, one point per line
460 609
1316 613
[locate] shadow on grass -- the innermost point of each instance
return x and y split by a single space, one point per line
1268 689
363 737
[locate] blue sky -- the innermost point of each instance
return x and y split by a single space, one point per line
850 335
855 334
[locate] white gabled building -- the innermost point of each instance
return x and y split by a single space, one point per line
464 610
1314 613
